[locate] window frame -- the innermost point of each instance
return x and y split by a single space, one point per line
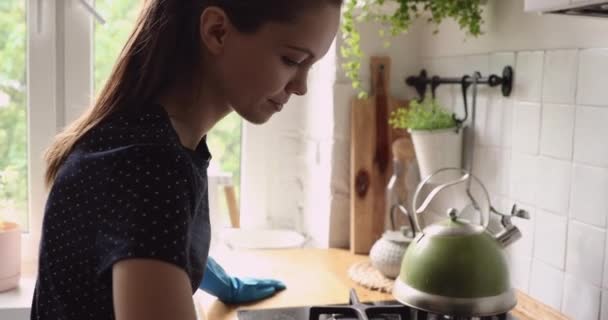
42 111
59 89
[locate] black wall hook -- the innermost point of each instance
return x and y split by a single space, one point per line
435 81
465 84
421 81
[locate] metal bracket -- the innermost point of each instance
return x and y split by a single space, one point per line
91 9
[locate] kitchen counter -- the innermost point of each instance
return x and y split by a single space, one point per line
317 277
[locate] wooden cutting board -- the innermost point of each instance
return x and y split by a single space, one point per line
371 157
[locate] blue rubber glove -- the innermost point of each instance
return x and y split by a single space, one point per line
236 290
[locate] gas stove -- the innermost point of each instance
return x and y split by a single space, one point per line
355 310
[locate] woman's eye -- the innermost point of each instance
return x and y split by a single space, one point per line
290 62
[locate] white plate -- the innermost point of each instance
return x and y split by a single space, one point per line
262 238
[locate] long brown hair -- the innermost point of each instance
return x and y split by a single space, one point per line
163 45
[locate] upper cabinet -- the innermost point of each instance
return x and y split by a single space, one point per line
597 8
539 5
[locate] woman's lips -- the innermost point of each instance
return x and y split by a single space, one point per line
277 105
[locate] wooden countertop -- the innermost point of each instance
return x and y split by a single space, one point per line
317 277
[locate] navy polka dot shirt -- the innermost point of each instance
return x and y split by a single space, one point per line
129 189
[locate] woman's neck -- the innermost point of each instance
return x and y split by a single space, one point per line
193 112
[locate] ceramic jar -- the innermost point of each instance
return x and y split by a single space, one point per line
10 255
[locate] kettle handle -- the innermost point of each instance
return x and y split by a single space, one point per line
466 177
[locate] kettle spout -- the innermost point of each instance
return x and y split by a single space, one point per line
511 233
508 236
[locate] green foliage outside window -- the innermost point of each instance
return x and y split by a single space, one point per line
13 112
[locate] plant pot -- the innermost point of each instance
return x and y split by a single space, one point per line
437 149
10 255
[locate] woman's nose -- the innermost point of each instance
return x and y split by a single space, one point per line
298 85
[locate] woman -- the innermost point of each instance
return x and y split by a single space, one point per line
126 225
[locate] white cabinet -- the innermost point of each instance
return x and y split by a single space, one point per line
540 5
556 5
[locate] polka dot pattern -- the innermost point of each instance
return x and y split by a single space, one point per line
129 189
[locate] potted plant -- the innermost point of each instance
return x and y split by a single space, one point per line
436 135
396 17
10 248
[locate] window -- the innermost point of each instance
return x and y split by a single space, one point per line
111 37
13 113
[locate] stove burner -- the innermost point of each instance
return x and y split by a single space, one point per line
360 311
355 310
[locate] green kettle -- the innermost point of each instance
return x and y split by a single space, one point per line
456 267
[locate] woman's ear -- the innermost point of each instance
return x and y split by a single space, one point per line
213 29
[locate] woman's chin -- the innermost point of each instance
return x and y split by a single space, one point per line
259 119
260 116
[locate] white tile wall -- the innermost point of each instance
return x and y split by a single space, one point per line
605 282
506 172
529 76
581 300
546 149
590 195
524 177
547 284
590 136
585 257
487 165
520 268
557 131
604 308
550 238
526 127
592 77
559 77
481 117
499 60
492 134
479 62
554 185
507 123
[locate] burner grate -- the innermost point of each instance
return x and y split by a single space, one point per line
360 311
355 310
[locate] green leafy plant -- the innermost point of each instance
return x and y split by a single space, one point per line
425 115
466 12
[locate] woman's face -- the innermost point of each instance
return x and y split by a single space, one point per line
257 73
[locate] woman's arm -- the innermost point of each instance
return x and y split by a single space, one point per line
149 289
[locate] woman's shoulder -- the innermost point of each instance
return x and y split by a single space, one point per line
144 139
150 126
135 164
